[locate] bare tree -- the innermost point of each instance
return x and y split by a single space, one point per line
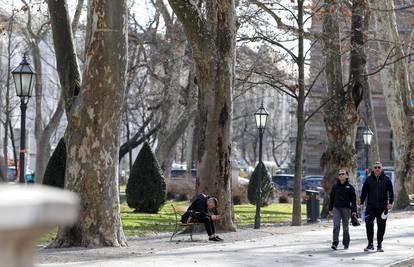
43 130
93 110
8 105
297 90
396 86
210 28
173 117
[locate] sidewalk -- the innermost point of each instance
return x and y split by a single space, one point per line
309 248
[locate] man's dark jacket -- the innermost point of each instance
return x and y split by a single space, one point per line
197 208
342 196
378 191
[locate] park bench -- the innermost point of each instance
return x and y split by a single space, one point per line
178 211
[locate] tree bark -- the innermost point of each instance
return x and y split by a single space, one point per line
212 40
300 116
396 88
92 136
341 114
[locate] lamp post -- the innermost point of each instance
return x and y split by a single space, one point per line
24 80
261 117
367 135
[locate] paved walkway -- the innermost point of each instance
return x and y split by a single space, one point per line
310 248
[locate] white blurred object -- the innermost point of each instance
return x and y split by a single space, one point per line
243 181
384 214
27 212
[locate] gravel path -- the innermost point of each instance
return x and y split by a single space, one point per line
141 246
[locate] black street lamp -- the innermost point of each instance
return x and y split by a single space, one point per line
261 118
24 80
367 135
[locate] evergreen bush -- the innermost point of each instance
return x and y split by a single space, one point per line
146 189
266 185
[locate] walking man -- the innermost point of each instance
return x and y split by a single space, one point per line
379 195
342 201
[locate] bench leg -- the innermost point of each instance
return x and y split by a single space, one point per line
175 231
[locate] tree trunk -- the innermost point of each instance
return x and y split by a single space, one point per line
189 149
174 118
341 114
212 40
92 136
297 191
43 146
7 107
370 117
396 88
42 134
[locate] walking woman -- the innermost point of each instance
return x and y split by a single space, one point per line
342 202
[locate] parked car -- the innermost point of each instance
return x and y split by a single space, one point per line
284 182
313 182
182 173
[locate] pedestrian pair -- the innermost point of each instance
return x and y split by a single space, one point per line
377 193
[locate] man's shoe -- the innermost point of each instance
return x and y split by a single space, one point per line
379 249
370 247
215 239
333 246
219 238
346 247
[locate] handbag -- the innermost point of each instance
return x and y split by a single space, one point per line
355 221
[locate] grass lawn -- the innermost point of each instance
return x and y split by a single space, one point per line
139 223
163 221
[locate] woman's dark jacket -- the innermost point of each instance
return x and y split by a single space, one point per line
342 196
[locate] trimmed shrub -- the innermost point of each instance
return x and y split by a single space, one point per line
266 185
146 190
55 169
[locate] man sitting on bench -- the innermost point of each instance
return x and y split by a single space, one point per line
201 211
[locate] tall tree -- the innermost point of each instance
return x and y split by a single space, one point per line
43 131
341 115
173 117
299 91
93 111
211 33
7 95
396 86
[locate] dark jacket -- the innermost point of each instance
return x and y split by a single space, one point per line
199 204
197 208
342 196
377 191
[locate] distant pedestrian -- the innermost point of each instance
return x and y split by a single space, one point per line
379 195
342 202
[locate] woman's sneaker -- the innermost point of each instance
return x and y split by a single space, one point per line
370 247
379 249
334 246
